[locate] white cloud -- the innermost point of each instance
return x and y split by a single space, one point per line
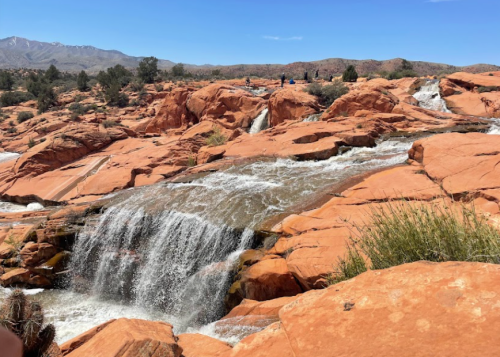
277 38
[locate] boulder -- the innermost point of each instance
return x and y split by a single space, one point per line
376 100
231 107
127 338
409 310
173 112
34 253
291 104
196 345
15 276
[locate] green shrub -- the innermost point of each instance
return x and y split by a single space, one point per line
178 70
159 87
216 138
404 233
110 123
31 143
136 86
148 69
52 73
9 99
23 116
6 80
329 93
487 89
25 319
82 81
115 97
191 161
350 74
46 98
408 73
12 130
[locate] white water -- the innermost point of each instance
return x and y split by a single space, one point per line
495 127
313 117
166 252
14 207
7 156
429 97
260 123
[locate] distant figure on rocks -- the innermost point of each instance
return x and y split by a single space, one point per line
305 76
247 83
331 78
317 74
292 81
282 79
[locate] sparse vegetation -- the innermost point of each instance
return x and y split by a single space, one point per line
487 89
408 232
23 116
12 130
25 318
350 74
191 161
31 143
110 123
329 93
14 98
115 97
52 73
216 138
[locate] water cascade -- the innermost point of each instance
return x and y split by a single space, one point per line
260 123
313 117
170 248
429 97
495 127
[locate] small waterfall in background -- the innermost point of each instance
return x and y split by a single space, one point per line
313 117
260 123
429 97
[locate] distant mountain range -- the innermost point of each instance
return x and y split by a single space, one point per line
18 52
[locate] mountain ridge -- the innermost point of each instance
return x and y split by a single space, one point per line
19 52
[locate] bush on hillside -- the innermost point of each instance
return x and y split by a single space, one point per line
14 98
25 318
487 89
115 97
405 232
401 74
82 81
110 123
6 80
23 116
329 93
148 69
46 99
216 138
350 74
52 73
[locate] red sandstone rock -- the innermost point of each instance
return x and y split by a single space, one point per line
127 338
233 108
15 276
196 345
291 104
410 310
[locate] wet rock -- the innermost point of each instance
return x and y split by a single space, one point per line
15 277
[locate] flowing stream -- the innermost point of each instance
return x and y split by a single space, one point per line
167 251
429 97
260 123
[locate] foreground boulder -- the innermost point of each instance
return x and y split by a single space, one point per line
127 338
414 309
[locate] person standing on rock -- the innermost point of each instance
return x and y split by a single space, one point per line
331 78
283 79
317 74
305 76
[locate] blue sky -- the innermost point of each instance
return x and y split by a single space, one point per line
458 32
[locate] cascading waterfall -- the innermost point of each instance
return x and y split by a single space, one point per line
313 117
260 123
495 127
167 260
429 97
171 248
